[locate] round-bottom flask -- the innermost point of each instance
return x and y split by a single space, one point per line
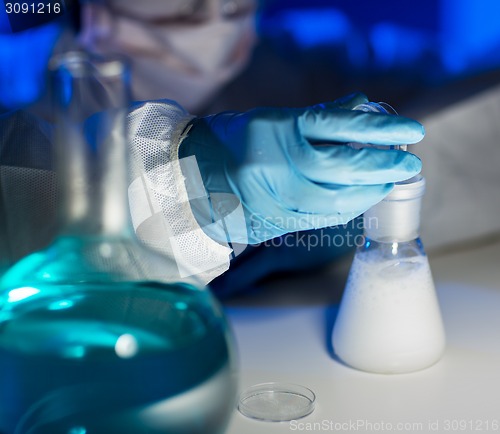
98 335
389 319
114 357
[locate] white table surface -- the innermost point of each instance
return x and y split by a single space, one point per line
284 335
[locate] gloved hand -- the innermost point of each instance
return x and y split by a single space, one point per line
268 158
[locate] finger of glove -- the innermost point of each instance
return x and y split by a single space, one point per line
291 220
331 200
300 204
361 127
346 166
347 102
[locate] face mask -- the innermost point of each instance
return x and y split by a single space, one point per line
186 62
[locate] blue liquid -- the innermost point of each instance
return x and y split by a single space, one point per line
118 358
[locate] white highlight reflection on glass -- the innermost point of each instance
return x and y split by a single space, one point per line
126 346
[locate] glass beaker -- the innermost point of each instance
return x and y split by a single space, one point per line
389 319
97 333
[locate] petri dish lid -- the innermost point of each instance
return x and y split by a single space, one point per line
276 402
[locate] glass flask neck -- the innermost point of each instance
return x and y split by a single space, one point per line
91 99
383 250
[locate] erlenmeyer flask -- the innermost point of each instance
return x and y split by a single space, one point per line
389 319
97 333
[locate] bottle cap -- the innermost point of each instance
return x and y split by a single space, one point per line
397 217
412 188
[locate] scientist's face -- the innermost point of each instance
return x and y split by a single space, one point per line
184 50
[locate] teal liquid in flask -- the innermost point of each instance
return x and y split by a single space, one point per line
99 335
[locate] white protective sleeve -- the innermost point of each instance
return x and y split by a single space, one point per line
160 192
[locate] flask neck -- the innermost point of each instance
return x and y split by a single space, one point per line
373 250
91 147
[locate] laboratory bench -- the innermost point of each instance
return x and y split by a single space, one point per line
283 335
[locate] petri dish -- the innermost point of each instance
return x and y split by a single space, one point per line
377 107
276 402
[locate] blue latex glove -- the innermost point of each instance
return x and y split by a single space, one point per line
285 183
